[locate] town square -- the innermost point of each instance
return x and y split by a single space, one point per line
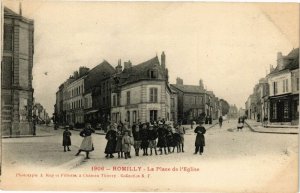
150 96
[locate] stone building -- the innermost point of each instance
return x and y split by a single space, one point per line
284 89
191 101
141 92
16 68
97 98
74 97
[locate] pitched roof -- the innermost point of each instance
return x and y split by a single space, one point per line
97 74
141 72
293 61
8 11
188 88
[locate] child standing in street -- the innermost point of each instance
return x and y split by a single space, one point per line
126 144
67 138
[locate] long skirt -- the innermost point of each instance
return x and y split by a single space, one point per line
110 147
119 145
87 144
162 142
66 141
145 144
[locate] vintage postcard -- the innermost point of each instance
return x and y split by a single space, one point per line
149 96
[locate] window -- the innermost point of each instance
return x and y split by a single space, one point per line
118 100
275 87
128 116
8 37
153 115
134 116
195 100
297 84
81 103
128 97
7 71
114 100
153 95
172 102
285 85
200 100
153 74
85 102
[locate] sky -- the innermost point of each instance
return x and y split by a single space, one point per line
228 45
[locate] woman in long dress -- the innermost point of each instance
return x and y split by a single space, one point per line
87 142
111 137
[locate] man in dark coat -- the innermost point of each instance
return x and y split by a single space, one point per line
220 121
200 140
67 139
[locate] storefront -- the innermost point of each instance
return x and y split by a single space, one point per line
280 108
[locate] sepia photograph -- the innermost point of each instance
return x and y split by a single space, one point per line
123 96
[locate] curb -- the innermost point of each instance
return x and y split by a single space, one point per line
27 136
71 164
269 132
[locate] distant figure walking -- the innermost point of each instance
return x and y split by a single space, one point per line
265 121
67 138
240 123
220 121
200 139
87 142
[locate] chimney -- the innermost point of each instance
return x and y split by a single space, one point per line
76 74
163 60
83 71
20 8
179 81
271 68
119 66
201 84
127 64
280 62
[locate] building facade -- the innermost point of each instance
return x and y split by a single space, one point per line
191 102
141 93
98 97
16 68
75 101
276 96
283 97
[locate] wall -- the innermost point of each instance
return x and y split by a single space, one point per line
279 79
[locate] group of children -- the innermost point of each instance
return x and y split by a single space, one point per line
156 137
144 137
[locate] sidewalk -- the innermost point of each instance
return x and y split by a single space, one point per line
41 131
43 150
189 130
257 127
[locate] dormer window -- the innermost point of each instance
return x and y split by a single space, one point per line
153 74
